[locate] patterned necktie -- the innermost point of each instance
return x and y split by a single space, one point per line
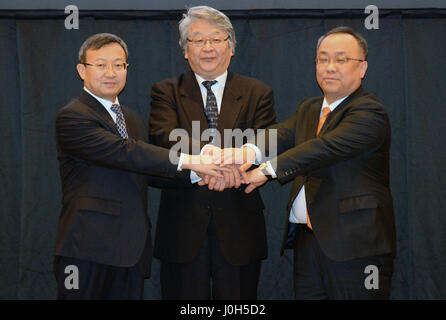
120 121
325 112
211 109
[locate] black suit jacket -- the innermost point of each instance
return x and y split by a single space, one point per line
345 171
184 213
104 183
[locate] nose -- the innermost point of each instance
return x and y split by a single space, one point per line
110 71
208 45
331 65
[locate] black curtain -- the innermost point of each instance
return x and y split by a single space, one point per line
406 71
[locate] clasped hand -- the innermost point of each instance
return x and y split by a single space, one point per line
233 164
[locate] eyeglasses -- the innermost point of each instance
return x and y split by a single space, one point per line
200 42
117 66
324 61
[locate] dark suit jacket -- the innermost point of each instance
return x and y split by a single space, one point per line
104 214
346 174
184 213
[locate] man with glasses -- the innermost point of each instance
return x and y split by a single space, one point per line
340 219
103 247
210 244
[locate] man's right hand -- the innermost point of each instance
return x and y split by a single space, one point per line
203 165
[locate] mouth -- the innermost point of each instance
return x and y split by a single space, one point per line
208 59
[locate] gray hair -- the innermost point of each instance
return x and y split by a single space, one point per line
99 40
217 18
347 30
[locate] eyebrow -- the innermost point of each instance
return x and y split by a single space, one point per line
104 60
336 53
202 34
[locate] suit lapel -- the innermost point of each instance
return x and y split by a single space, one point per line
99 109
129 123
192 100
339 108
231 103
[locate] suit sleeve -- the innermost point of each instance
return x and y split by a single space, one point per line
363 128
85 138
277 138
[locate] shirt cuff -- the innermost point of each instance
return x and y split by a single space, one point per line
180 162
271 170
194 177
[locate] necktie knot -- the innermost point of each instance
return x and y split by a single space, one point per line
325 112
208 84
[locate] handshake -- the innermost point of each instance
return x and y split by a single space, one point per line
226 168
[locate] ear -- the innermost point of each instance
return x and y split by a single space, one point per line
81 70
363 68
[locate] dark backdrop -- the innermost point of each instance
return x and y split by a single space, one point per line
38 57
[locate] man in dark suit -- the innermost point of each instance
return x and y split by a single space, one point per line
103 248
203 235
340 218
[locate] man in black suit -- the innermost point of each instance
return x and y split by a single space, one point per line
203 236
340 218
103 248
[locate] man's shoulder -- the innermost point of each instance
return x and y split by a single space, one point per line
74 105
308 102
175 81
242 80
364 98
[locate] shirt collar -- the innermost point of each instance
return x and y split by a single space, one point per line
106 103
221 79
333 105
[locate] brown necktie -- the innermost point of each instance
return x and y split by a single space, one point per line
325 112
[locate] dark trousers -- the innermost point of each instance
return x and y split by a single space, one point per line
209 275
97 281
318 277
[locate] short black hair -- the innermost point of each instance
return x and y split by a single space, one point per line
347 30
99 40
